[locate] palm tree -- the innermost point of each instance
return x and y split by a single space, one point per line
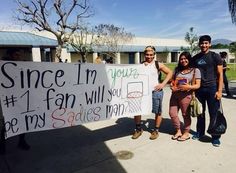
232 10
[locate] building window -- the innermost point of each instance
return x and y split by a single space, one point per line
174 56
131 58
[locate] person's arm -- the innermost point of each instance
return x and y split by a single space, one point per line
225 66
220 82
168 76
173 86
188 87
194 84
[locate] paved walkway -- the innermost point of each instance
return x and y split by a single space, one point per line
93 148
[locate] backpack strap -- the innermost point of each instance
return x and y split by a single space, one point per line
159 72
157 65
193 81
143 62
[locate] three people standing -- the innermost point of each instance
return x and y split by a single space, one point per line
207 67
208 71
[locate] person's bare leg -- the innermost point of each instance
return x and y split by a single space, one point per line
138 129
158 120
155 132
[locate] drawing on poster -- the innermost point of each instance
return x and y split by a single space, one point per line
134 91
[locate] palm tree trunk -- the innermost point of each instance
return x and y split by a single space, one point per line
232 10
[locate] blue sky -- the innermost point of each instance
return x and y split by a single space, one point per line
156 18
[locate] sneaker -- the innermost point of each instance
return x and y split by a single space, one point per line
137 133
23 145
197 136
215 142
154 135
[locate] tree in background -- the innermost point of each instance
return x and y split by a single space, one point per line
59 17
232 10
232 49
192 39
220 46
83 40
111 38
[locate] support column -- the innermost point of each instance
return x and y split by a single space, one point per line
168 59
36 54
53 52
117 60
95 55
65 55
137 58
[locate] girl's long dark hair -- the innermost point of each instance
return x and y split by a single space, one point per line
179 67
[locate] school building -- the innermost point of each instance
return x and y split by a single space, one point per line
42 47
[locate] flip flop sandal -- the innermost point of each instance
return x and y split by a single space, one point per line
183 139
175 137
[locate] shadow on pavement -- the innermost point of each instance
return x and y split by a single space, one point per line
67 150
166 125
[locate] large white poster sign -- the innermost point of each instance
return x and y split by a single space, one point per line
39 96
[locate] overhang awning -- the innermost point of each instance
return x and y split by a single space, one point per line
8 38
130 48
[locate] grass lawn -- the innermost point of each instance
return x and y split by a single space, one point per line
231 73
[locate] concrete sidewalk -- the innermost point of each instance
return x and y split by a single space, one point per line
93 148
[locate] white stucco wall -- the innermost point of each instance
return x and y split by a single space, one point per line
137 41
36 54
